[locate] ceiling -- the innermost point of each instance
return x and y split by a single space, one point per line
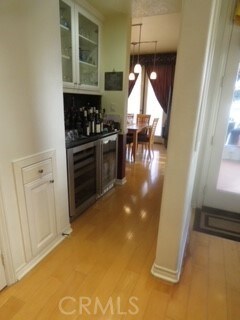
143 8
160 21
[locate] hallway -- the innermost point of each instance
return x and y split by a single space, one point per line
102 271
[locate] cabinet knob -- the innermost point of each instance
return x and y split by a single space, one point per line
51 181
40 171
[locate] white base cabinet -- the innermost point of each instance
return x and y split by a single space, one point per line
41 212
35 183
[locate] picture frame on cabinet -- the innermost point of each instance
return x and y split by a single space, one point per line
113 81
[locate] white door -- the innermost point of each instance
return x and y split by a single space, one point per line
3 281
41 212
222 190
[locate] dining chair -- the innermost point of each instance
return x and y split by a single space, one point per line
143 119
148 139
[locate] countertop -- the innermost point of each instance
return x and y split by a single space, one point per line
84 139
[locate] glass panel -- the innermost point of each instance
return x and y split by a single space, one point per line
66 42
134 99
88 51
109 162
84 175
154 108
229 173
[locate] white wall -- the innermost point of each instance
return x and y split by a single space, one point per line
190 77
31 113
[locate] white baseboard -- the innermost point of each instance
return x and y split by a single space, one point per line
172 276
120 182
169 274
20 273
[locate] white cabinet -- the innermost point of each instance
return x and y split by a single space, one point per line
80 34
34 177
67 42
41 212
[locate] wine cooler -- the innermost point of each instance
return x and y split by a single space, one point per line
108 163
83 177
91 172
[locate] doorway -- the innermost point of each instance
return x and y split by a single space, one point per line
143 100
222 190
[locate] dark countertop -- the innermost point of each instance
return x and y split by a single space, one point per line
84 139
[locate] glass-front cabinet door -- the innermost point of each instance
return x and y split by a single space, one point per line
88 32
80 47
66 29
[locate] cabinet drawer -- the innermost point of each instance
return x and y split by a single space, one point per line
36 171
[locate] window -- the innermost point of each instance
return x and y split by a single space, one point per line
134 100
154 108
145 100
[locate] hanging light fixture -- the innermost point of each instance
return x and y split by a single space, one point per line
138 68
131 74
153 75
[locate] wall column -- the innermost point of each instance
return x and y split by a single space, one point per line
190 77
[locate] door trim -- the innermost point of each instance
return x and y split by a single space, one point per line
222 34
214 197
5 245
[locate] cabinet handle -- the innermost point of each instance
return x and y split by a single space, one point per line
40 171
51 181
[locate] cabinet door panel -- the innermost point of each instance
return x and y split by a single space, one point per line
88 33
41 212
67 41
80 34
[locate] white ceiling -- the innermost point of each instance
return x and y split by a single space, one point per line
143 8
160 21
161 28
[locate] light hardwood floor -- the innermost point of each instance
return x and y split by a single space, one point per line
104 266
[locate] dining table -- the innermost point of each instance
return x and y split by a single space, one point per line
134 129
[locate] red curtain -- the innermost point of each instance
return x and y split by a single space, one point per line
165 68
162 86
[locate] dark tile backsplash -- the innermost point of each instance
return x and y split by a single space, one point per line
72 103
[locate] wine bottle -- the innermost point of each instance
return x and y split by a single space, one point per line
97 123
92 122
101 122
86 128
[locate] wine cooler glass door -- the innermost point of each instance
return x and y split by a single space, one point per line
109 162
82 177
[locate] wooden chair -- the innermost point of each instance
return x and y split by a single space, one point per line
148 139
143 119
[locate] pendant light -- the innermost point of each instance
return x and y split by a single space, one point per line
153 75
131 74
138 68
